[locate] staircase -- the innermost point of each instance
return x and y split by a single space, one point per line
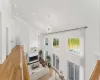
96 73
10 69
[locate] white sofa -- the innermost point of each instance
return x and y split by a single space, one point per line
38 72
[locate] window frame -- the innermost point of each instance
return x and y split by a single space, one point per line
74 71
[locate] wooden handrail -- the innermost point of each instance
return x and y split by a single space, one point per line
96 73
57 73
25 67
10 69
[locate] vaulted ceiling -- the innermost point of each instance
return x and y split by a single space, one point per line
53 14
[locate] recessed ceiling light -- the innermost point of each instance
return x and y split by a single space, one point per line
15 6
16 13
48 15
49 26
38 33
33 13
48 29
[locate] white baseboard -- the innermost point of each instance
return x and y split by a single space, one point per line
0 62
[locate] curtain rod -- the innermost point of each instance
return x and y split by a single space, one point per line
65 30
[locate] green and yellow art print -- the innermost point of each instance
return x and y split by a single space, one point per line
56 43
74 44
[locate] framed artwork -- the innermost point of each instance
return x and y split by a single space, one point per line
56 43
46 41
74 44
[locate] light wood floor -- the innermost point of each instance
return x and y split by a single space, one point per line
46 77
10 69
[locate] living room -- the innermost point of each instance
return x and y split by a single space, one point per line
61 35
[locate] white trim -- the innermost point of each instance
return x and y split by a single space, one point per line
0 62
21 20
27 23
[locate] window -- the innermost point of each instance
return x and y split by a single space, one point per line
56 43
76 72
55 62
73 71
74 45
46 54
46 41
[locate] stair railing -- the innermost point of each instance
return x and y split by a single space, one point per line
57 75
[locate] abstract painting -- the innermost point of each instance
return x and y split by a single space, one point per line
56 43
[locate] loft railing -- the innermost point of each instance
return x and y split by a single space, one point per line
96 73
25 73
21 63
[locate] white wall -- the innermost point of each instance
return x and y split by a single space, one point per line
33 37
90 17
41 42
6 22
15 28
0 37
62 52
28 34
92 35
19 29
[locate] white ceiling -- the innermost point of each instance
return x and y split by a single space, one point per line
56 14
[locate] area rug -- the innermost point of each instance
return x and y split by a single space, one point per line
53 78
